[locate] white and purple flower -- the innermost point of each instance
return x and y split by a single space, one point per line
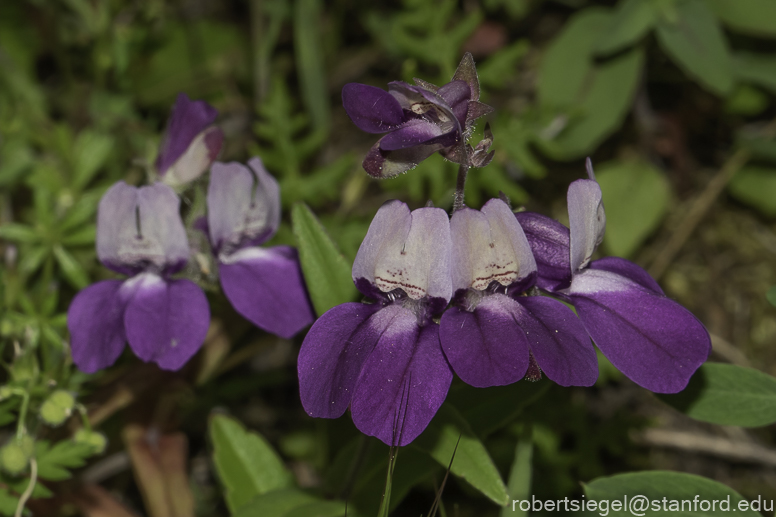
265 285
191 142
420 120
649 337
384 359
139 234
493 335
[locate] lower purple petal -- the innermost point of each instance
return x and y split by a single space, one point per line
650 338
558 341
627 269
403 382
95 320
267 288
166 320
485 347
332 354
387 164
414 132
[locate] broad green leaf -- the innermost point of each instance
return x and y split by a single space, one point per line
636 197
8 502
276 503
326 271
71 269
604 104
54 463
18 233
568 60
310 62
759 69
727 394
519 484
757 17
663 492
756 186
319 509
631 21
246 463
90 152
696 43
746 100
472 461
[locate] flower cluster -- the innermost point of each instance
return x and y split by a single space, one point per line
140 234
390 361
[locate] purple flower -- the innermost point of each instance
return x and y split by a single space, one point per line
650 338
420 120
265 285
139 234
494 336
190 143
384 359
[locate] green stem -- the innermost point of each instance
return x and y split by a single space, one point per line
20 428
460 186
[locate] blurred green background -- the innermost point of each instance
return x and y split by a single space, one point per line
674 100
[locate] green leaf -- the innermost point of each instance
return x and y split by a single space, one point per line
501 66
54 463
756 17
310 62
756 186
8 502
71 269
472 461
319 509
659 488
326 271
636 197
696 43
568 60
771 295
631 21
759 69
276 503
81 237
247 465
18 233
746 100
726 394
519 483
604 105
90 152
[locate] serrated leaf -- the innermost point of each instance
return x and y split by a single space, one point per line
276 503
756 186
18 233
657 487
603 107
631 21
698 46
325 269
759 69
472 461
90 152
85 209
71 269
636 197
246 463
54 463
727 394
756 17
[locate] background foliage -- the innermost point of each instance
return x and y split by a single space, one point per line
673 100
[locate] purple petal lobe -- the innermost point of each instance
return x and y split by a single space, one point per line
549 242
196 159
141 227
486 347
403 382
457 95
587 221
332 354
166 320
653 340
489 246
627 269
266 287
243 205
188 119
95 320
415 132
558 341
425 104
371 109
387 164
408 251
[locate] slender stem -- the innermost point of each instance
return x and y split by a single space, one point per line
20 427
28 491
460 187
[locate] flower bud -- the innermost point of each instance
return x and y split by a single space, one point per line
57 408
16 454
93 439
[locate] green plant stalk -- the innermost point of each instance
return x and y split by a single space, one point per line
460 187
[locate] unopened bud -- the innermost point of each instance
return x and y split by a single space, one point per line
16 454
93 439
57 408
